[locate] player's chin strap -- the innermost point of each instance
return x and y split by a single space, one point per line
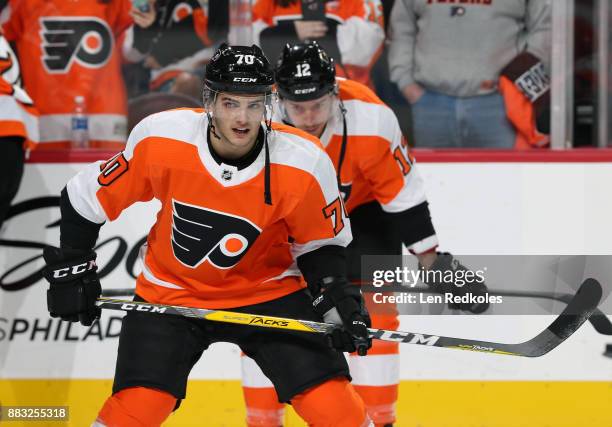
206 97
267 191
344 141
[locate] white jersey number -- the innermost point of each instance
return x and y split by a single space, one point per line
245 59
303 70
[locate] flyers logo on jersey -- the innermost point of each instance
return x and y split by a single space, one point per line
86 40
200 234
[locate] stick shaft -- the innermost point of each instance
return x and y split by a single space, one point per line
598 319
576 313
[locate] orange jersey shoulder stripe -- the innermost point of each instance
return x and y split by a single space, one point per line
352 90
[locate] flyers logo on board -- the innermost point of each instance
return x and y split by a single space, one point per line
86 40
200 234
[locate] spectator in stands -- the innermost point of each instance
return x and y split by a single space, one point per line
67 51
447 59
351 31
386 90
175 39
18 127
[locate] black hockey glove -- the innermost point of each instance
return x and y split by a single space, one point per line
341 303
74 284
444 263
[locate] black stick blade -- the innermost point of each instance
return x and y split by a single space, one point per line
578 310
575 314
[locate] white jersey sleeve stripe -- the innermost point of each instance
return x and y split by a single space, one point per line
82 190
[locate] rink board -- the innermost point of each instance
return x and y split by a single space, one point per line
506 207
423 404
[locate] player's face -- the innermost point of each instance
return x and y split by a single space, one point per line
237 120
310 116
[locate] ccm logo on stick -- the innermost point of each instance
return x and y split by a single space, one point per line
74 270
147 308
405 337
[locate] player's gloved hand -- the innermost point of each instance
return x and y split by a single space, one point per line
445 262
341 303
74 284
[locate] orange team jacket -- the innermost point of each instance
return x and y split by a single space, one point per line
66 49
215 243
354 39
18 117
377 165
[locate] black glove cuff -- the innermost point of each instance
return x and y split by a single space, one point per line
445 262
337 292
62 271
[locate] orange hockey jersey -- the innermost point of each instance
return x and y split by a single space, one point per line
377 164
355 31
66 49
215 243
18 117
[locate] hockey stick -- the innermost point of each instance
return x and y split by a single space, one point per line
575 314
598 319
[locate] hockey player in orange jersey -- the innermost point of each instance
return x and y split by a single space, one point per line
247 207
384 196
68 49
18 126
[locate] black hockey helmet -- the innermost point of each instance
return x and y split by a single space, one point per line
239 69
304 72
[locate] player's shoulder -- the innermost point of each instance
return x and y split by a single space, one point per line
350 90
365 110
180 125
183 115
295 148
299 138
367 114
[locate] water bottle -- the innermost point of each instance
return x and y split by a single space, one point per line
80 124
